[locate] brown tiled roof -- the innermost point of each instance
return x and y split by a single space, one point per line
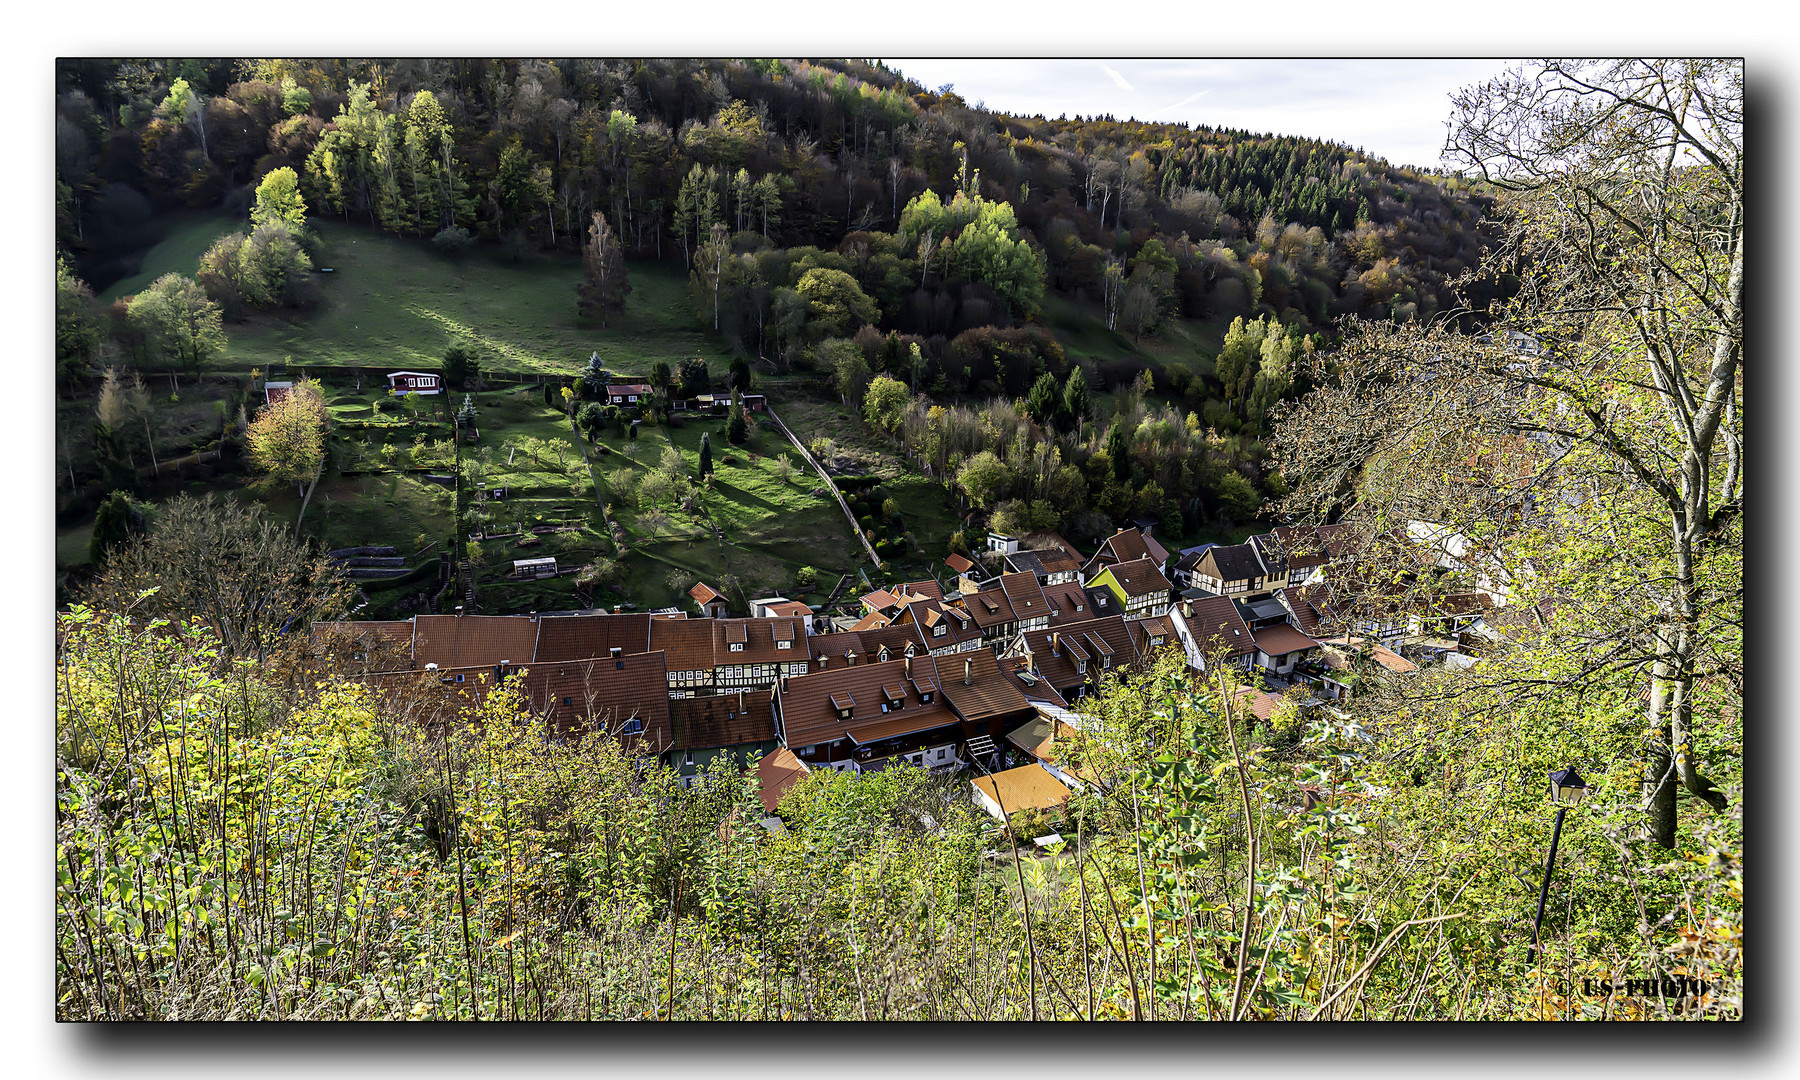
396 631
908 721
707 723
687 643
879 600
1028 787
1156 627
1382 655
1299 546
1055 649
1215 623
1300 602
989 607
778 771
1126 545
1260 702
609 691
384 645
452 641
928 615
958 563
809 715
829 649
874 620
704 594
895 637
789 609
580 637
628 388
1281 638
1067 601
1037 690
1140 577
1392 660
931 590
987 695
1026 596
758 638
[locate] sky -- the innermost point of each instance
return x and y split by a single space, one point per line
1390 108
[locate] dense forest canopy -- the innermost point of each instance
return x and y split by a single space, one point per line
784 153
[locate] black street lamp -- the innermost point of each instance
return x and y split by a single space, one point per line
1566 789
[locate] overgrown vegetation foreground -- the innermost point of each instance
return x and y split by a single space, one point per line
240 840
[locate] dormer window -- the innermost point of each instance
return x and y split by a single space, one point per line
737 646
938 630
1081 667
784 644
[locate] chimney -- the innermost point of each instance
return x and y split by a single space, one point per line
614 651
741 698
430 667
1055 643
909 665
784 679
459 608
1187 608
968 672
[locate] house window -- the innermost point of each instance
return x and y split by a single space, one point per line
784 644
1081 667
631 726
737 646
844 714
568 701
459 678
941 753
938 630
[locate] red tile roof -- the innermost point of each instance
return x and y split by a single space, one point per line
1280 639
451 641
810 704
989 607
1215 624
580 637
707 723
608 694
1025 595
1068 601
704 594
958 563
1140 577
1126 545
777 772
758 637
688 643
988 694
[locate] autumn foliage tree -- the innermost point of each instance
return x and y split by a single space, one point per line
287 438
603 284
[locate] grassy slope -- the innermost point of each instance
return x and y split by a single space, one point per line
394 303
1081 329
188 237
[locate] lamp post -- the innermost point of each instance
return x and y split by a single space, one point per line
1566 789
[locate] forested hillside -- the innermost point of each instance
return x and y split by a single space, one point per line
1151 219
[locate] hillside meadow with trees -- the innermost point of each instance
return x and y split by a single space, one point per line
1000 322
